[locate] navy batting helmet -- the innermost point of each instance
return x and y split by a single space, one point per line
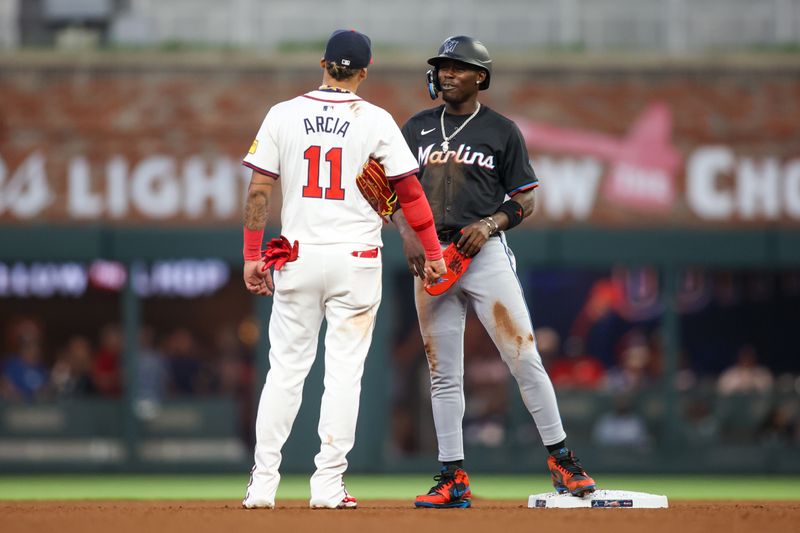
467 50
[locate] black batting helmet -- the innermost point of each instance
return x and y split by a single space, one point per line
467 50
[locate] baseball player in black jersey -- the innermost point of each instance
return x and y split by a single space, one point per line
479 181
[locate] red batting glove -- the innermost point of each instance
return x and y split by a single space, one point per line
279 252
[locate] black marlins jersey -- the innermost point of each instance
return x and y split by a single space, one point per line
483 162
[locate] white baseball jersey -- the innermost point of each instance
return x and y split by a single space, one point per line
317 144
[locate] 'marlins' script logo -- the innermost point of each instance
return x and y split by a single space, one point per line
464 156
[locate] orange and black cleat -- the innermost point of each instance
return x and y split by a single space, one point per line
568 474
451 490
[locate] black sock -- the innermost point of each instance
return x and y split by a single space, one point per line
454 464
555 447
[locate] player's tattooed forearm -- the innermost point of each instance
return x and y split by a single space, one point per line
256 210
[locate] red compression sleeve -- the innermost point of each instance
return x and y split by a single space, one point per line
252 244
418 214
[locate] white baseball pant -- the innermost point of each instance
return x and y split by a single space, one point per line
326 281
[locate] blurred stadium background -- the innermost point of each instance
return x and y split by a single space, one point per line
662 267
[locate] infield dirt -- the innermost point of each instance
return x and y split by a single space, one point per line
389 517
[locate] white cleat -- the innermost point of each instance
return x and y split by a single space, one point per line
253 503
348 502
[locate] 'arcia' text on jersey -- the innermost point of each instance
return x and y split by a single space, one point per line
326 125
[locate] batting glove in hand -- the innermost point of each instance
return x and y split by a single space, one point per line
279 252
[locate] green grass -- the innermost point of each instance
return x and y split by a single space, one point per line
200 487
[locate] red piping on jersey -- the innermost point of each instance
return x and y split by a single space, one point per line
332 101
401 176
261 170
523 189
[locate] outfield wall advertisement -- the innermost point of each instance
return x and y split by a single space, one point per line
637 148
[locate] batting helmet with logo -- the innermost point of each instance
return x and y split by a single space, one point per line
467 50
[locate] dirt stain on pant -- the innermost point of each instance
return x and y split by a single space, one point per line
422 316
430 354
361 323
505 324
507 330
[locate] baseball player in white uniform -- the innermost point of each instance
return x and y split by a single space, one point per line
316 144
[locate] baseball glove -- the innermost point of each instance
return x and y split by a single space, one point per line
279 252
376 189
457 263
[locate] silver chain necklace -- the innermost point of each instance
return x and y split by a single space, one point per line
446 142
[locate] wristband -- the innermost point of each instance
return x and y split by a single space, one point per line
252 244
513 211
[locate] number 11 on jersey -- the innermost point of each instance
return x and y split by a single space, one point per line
334 159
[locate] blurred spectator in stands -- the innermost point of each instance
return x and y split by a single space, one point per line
655 340
576 369
548 342
409 391
106 367
599 321
746 375
779 427
700 425
235 374
185 363
404 438
621 427
72 372
24 376
153 374
634 370
685 376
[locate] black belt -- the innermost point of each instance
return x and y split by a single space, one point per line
449 235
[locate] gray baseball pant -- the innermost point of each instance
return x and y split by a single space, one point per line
491 285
